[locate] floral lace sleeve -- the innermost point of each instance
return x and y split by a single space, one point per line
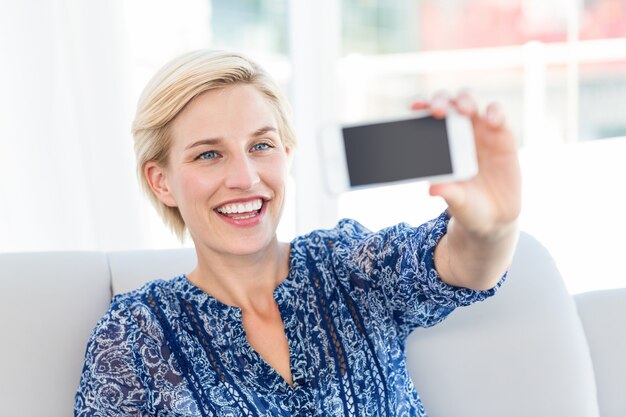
399 262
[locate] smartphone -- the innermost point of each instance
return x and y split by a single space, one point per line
384 152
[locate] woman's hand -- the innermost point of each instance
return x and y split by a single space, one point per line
482 233
491 199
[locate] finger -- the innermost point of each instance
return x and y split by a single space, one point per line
420 105
465 104
494 115
439 104
453 193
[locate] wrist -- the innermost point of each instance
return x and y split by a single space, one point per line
488 234
475 260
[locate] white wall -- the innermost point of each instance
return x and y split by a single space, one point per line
574 202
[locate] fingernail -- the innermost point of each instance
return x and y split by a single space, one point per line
438 103
494 116
464 104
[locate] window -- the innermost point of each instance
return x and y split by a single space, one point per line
558 69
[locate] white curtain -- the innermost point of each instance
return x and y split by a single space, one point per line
67 178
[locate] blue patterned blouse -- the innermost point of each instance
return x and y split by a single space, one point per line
348 304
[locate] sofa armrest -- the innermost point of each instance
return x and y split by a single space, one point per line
603 314
49 304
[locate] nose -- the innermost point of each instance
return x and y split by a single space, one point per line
242 173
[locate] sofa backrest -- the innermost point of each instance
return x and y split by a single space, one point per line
132 269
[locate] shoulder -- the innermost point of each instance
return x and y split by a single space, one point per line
145 294
134 312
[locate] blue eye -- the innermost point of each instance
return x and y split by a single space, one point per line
261 146
208 155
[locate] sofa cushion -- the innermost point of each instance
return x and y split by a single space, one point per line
603 314
521 353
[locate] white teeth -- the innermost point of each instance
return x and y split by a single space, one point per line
244 217
241 207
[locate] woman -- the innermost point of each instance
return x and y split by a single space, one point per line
265 328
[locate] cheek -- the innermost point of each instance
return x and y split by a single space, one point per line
276 173
192 185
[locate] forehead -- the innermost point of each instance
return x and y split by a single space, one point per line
230 112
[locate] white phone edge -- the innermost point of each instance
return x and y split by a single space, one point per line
460 139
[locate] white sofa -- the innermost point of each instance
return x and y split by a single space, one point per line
532 350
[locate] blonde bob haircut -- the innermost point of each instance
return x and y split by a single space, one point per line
175 85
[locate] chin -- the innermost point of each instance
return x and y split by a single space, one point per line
238 245
246 249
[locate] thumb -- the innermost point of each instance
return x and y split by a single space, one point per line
453 193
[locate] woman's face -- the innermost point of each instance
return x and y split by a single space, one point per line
226 170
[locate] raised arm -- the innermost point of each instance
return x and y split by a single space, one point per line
482 234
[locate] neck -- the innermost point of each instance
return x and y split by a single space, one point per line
245 281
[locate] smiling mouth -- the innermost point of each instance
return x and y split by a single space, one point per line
241 211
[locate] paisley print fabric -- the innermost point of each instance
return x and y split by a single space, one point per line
350 300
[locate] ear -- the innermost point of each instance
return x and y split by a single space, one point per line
289 152
157 179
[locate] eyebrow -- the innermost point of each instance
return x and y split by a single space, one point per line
264 130
214 141
201 142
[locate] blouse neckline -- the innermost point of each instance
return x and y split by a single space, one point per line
283 295
201 297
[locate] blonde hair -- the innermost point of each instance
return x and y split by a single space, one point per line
175 85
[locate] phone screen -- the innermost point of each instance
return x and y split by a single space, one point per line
396 151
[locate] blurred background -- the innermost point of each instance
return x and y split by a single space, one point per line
71 72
